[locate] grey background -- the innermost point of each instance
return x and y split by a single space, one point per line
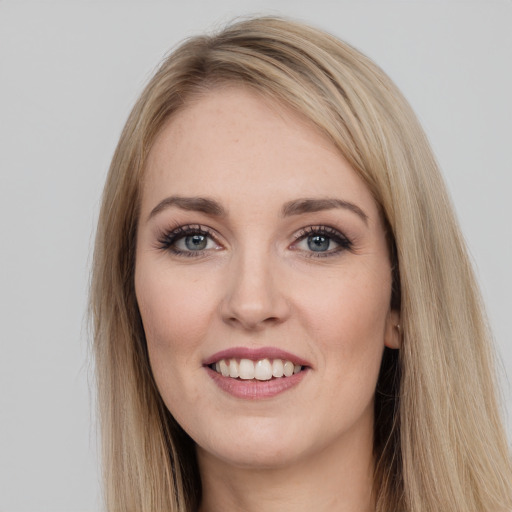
69 73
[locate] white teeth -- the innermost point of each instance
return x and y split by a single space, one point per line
246 369
224 369
233 369
277 368
288 368
263 369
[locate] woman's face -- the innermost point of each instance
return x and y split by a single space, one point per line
261 252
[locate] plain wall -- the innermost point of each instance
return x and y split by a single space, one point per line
69 74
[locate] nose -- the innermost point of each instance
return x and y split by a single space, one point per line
254 295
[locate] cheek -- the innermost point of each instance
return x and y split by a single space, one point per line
175 311
176 314
348 316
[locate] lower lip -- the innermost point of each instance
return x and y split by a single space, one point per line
255 389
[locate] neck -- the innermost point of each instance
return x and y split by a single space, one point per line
338 478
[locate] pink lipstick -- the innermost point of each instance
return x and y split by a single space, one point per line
255 373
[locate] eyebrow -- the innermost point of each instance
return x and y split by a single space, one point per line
306 205
296 207
196 204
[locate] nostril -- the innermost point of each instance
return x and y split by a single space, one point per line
253 321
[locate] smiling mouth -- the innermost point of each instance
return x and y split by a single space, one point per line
262 369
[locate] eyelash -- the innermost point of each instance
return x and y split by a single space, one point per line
333 234
167 240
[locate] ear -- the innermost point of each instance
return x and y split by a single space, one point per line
393 334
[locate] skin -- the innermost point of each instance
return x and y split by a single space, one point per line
256 285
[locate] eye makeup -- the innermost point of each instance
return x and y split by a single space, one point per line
189 240
321 241
195 240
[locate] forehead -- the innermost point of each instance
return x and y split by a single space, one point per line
233 142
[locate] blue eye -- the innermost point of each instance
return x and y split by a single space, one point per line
188 241
321 241
195 242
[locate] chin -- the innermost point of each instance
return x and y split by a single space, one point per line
266 443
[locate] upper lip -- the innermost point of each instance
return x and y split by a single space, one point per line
255 354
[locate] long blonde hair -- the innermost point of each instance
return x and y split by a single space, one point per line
439 441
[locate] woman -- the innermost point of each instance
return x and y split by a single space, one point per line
284 311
